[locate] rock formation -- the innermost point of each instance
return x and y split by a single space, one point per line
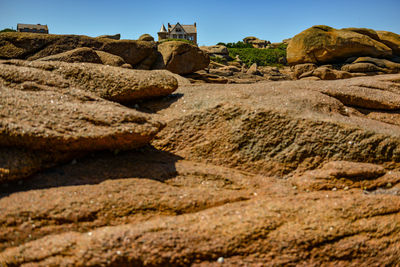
181 58
114 37
276 173
353 51
216 51
53 111
108 166
323 44
257 43
146 37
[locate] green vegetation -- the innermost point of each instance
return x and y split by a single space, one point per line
263 57
181 40
218 60
236 45
8 30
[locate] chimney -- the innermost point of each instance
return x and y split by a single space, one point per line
169 25
195 25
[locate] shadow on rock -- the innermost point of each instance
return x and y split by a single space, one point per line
156 104
146 162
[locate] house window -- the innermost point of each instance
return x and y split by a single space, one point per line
180 36
174 36
178 29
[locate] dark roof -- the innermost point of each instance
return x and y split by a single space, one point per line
186 28
32 26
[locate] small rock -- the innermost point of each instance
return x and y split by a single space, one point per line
221 260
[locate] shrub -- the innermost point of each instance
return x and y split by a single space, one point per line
263 57
181 40
8 30
236 45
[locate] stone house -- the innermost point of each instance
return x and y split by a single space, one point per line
35 28
179 31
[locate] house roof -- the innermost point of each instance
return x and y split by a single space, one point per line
32 26
186 28
163 29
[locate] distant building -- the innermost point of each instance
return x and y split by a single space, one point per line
35 28
178 31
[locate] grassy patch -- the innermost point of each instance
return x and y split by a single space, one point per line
263 57
180 40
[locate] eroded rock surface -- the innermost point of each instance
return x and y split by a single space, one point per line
277 127
53 111
268 174
323 44
181 58
115 84
17 45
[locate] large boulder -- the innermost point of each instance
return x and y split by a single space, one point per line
216 51
82 54
85 54
390 39
182 58
257 43
111 83
110 59
323 44
31 46
114 37
146 37
55 111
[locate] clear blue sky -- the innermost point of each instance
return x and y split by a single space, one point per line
217 20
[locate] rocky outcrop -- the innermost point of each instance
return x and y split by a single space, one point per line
146 37
255 131
372 66
51 112
114 37
216 51
278 174
181 58
391 40
323 44
83 54
257 43
139 54
115 84
111 60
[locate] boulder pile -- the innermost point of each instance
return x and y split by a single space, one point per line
351 51
178 57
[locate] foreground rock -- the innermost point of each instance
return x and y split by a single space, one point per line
207 212
16 45
115 84
51 112
181 58
254 129
323 44
333 198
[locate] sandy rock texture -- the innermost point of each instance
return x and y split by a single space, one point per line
291 173
181 58
323 44
139 54
54 111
